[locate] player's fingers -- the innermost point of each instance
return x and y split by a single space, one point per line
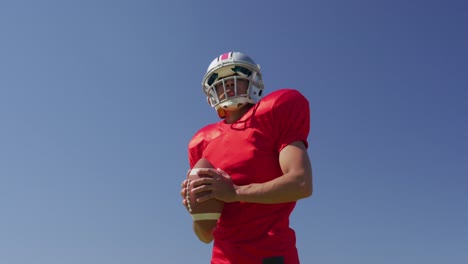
202 188
184 184
201 181
205 198
223 173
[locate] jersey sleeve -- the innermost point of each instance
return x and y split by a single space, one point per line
198 143
291 119
195 151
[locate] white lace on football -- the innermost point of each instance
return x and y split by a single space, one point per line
187 196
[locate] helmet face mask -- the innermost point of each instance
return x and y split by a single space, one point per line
232 80
230 93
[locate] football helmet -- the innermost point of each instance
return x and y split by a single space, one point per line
230 68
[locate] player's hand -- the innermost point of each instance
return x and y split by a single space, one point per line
218 184
183 192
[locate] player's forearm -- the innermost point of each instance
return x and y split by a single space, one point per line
204 234
287 188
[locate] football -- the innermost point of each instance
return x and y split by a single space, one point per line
208 211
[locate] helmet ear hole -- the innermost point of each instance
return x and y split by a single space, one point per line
260 93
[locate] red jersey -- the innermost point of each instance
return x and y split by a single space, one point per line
248 150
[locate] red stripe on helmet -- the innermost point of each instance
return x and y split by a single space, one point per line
225 56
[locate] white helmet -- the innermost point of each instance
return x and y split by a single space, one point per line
232 66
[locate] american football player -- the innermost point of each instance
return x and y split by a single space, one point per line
260 147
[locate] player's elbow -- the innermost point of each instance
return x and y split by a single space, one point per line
308 191
305 186
305 191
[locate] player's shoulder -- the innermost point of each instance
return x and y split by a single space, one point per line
204 134
284 96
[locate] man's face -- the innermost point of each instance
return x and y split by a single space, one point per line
230 84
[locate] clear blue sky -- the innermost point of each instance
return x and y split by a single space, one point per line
98 100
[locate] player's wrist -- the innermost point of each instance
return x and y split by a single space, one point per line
239 191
